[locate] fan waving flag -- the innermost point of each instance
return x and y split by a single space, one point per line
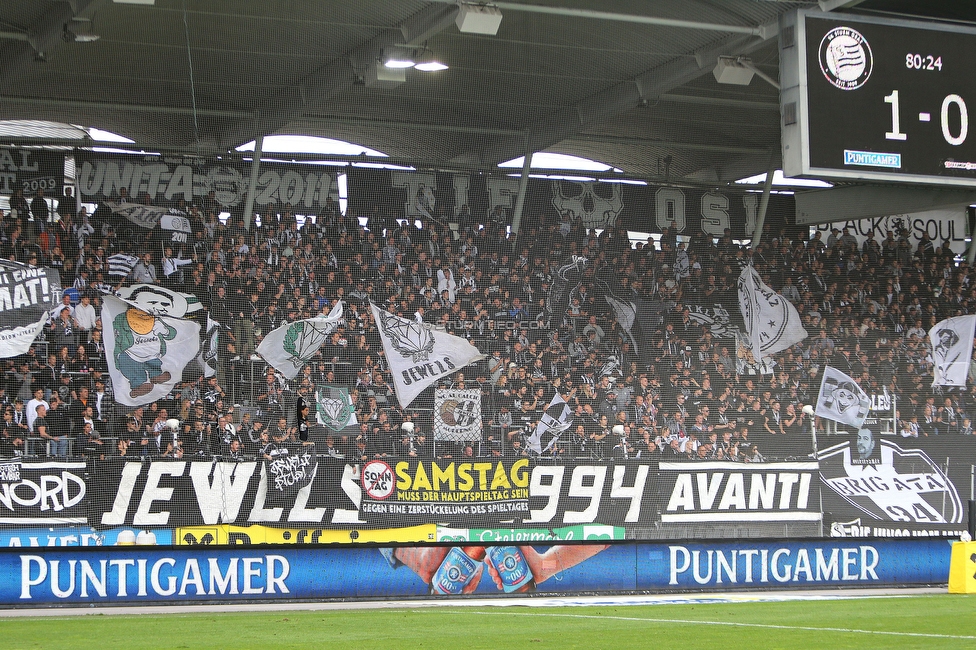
557 419
952 349
419 355
289 347
146 350
120 265
772 322
27 296
841 399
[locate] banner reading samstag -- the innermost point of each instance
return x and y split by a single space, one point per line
445 491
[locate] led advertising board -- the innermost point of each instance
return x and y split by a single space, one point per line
877 99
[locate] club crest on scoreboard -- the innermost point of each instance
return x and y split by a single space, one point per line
845 58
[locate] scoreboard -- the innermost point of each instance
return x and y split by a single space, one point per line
877 99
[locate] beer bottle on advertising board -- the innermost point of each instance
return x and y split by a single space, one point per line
514 571
457 569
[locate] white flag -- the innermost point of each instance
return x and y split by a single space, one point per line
557 418
841 399
418 354
334 407
952 349
146 351
289 347
771 320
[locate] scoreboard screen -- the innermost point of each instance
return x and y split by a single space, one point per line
878 99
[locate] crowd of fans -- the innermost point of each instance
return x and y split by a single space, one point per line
683 390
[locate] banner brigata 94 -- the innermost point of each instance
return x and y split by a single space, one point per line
882 99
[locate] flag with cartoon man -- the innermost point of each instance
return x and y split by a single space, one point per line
148 347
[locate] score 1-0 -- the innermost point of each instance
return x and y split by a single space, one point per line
952 99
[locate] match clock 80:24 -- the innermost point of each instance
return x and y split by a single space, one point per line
877 99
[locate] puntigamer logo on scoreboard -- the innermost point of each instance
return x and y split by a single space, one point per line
845 58
872 159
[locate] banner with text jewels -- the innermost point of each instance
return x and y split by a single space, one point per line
883 487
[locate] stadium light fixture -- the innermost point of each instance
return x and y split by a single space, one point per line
427 62
739 71
395 57
79 30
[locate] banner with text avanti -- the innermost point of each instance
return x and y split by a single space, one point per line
889 487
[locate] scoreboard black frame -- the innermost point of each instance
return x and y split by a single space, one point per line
877 99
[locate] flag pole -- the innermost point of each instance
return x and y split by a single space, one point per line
808 409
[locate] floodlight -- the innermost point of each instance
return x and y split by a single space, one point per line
395 57
427 62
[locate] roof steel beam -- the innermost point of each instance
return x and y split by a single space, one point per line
752 30
42 37
619 98
332 78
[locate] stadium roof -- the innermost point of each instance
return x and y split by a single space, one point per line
624 82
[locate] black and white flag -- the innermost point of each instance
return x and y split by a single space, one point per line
27 296
418 354
952 350
557 419
565 280
841 399
772 322
457 414
120 265
291 469
210 348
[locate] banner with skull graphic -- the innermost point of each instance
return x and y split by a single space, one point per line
595 203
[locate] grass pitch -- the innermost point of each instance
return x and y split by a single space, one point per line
898 622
